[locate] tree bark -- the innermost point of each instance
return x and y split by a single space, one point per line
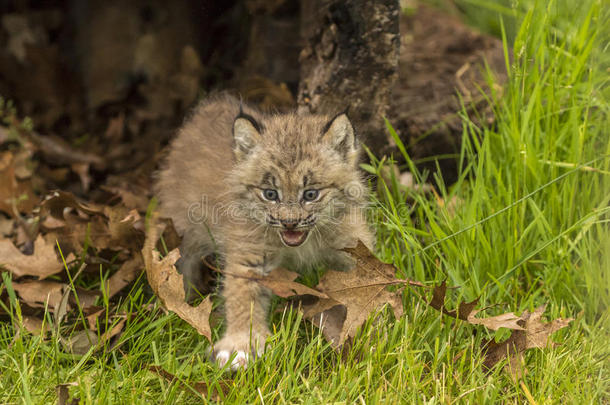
350 60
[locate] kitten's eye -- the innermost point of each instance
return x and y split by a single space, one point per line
310 195
270 194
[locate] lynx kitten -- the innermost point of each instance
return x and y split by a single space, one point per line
262 191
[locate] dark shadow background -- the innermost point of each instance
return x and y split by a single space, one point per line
115 78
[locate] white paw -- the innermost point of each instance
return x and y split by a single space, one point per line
238 350
240 359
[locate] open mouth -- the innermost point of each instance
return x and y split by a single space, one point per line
293 238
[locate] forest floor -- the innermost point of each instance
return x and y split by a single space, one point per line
525 224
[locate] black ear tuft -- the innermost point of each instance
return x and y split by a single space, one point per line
246 134
339 134
330 122
340 131
258 126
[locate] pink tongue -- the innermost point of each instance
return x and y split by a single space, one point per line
292 236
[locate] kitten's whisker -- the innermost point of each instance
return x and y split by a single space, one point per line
317 234
256 228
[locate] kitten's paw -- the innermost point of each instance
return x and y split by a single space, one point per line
240 344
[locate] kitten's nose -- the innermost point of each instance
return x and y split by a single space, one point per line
289 223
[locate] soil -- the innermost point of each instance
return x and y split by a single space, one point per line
440 56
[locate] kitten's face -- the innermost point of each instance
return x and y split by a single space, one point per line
297 174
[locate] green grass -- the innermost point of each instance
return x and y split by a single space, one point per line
530 227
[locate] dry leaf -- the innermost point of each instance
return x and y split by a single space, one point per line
82 170
344 300
49 223
527 330
35 325
130 199
112 332
15 196
72 234
167 283
534 334
466 311
361 291
71 222
330 321
63 395
281 282
42 263
86 298
128 272
56 204
122 227
366 259
49 294
6 226
40 294
80 342
92 314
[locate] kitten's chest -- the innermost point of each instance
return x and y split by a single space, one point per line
300 259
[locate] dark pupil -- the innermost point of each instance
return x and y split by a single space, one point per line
311 195
270 194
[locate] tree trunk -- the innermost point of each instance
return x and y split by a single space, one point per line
350 60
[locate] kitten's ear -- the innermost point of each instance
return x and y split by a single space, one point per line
246 134
339 133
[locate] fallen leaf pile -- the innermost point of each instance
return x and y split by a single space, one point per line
46 273
55 245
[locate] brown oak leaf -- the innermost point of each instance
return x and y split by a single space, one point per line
15 195
75 223
281 282
466 311
49 294
40 294
42 263
534 334
127 273
35 325
361 291
167 283
56 204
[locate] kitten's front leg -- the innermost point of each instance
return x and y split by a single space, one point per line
246 307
